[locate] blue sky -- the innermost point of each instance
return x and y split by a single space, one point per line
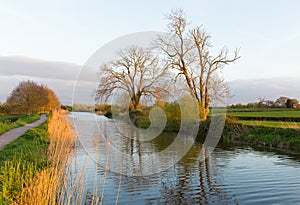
267 32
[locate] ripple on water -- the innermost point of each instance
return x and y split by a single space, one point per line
229 176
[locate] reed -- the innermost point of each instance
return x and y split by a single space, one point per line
49 185
46 171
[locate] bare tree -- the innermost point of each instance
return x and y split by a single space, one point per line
135 71
189 52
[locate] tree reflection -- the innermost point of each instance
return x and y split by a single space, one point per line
190 181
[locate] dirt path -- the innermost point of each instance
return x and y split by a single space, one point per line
13 134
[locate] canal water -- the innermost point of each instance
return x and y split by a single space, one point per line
229 175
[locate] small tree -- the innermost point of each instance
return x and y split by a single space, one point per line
292 103
281 102
28 97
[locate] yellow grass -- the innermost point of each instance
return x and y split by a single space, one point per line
48 187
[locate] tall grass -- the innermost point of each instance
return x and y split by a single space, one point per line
48 187
33 169
20 161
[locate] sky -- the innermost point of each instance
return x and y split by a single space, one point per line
50 41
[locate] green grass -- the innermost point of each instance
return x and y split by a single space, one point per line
22 120
4 117
274 124
280 138
281 135
260 109
271 113
21 160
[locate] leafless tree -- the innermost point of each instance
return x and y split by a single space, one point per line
135 71
189 52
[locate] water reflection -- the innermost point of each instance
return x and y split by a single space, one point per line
230 175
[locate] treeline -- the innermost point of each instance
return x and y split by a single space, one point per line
281 102
100 109
28 98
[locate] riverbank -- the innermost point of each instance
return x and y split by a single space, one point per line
236 132
281 139
32 168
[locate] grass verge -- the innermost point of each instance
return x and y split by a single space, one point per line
286 139
21 121
32 168
273 124
279 135
20 161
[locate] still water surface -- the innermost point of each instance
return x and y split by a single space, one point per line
230 175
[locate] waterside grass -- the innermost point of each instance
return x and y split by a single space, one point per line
33 168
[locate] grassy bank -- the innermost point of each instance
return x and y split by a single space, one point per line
274 134
286 139
271 124
20 161
32 168
9 122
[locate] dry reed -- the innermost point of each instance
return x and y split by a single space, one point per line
49 186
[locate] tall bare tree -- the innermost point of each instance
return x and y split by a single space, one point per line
189 52
135 71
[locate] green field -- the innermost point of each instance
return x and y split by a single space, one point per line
4 117
265 113
266 117
274 124
21 121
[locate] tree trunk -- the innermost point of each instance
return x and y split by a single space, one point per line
203 111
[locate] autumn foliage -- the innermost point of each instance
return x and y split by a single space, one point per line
29 97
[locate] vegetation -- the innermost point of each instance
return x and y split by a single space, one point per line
82 108
281 102
135 73
9 122
33 168
292 103
28 98
20 161
66 107
287 139
186 60
274 124
266 113
189 53
283 135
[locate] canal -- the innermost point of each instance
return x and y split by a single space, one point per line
109 166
